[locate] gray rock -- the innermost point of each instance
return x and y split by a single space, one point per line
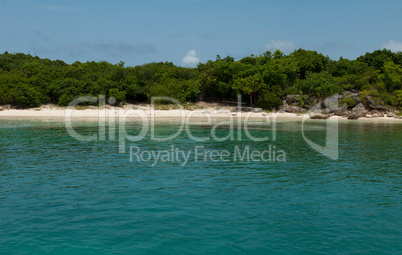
375 115
256 110
317 107
296 109
353 116
398 117
326 111
346 114
352 95
319 116
359 110
292 109
293 99
331 103
341 110
377 105
312 102
284 107
391 115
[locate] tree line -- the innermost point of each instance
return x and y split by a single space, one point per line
265 80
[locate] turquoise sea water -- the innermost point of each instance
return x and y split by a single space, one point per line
62 196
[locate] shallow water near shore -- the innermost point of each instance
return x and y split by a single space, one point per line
63 196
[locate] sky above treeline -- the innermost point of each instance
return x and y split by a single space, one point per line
186 32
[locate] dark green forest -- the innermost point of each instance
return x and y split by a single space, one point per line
28 81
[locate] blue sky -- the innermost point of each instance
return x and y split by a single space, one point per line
188 31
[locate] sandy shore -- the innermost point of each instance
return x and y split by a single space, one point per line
145 111
128 112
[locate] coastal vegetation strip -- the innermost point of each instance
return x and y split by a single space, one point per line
292 83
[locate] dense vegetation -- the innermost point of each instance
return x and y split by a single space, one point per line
29 81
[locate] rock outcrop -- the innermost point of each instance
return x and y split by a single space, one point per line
292 109
321 108
359 110
331 103
341 110
346 114
293 100
353 117
319 116
354 95
375 105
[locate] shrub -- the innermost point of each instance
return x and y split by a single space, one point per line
120 96
291 91
65 100
271 99
349 101
24 96
269 102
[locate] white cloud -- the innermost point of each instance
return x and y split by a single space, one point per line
393 46
190 59
285 46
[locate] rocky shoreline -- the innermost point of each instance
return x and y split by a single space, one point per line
351 105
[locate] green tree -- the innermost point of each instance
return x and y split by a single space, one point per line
249 85
274 74
24 96
270 98
309 61
398 95
392 76
321 85
278 54
120 96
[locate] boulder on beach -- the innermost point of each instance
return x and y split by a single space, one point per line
341 110
353 116
292 109
375 104
359 111
319 116
346 114
296 109
354 95
293 100
331 103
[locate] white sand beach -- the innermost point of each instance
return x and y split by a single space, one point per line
130 111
